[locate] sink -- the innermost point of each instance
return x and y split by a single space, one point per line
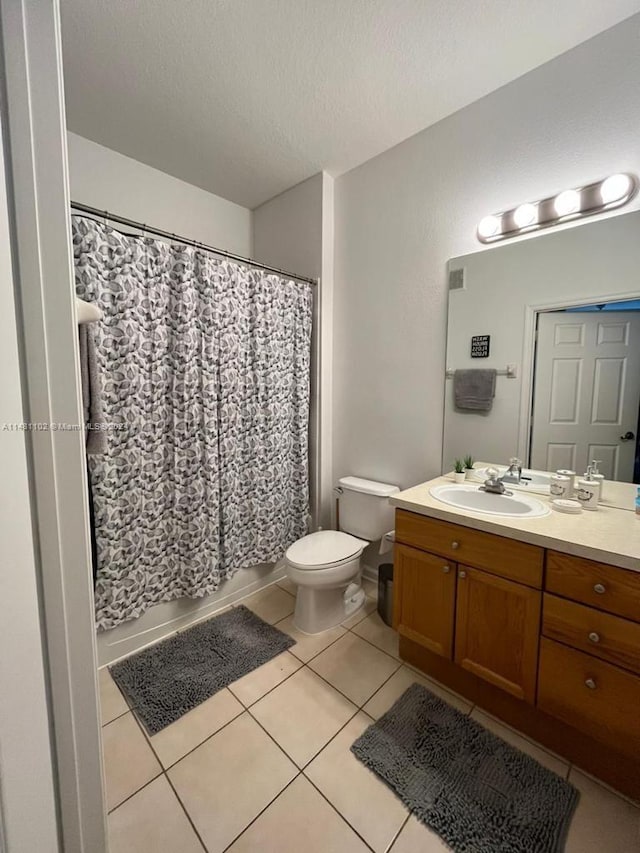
472 498
532 480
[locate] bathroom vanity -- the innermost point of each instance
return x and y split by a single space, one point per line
535 620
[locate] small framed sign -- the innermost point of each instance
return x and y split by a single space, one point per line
480 346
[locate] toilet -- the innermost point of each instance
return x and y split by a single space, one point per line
325 565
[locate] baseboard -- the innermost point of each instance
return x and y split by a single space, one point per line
167 618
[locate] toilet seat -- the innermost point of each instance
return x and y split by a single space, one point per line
324 549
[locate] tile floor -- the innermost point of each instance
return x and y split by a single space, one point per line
265 764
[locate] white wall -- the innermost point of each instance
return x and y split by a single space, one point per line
402 215
294 231
596 261
110 181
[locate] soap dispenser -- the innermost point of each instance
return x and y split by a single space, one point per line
587 490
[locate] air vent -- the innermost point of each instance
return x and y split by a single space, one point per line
456 279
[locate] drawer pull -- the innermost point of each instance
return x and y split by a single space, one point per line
594 637
591 683
446 569
600 588
455 545
462 574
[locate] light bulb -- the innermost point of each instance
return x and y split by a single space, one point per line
525 215
489 226
567 202
615 188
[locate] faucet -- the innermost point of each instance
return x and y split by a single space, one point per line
494 485
513 474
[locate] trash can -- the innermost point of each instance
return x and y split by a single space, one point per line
385 592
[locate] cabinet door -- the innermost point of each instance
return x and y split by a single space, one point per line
425 589
497 630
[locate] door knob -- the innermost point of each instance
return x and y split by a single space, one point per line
591 683
455 545
462 574
628 436
600 588
594 637
446 569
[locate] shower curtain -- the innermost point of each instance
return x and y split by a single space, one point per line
204 370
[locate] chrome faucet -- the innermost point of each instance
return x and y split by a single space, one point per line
513 474
493 484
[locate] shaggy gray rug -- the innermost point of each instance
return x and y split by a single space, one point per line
165 681
479 794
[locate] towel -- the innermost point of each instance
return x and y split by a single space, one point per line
96 440
474 389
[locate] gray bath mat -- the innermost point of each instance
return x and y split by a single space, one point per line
479 794
165 681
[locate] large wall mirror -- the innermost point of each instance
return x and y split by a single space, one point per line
558 317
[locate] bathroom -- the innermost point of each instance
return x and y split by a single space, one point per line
352 156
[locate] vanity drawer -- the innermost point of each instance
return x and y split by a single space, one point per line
595 697
597 584
608 637
508 558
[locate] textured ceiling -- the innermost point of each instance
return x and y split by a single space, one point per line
246 98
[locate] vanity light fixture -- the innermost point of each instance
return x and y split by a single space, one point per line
490 226
567 205
526 215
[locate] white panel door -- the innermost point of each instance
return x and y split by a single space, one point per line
587 392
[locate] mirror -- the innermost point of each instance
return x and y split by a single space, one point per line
558 317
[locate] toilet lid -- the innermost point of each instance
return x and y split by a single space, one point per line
323 548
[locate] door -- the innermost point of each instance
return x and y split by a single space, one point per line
497 629
587 392
425 599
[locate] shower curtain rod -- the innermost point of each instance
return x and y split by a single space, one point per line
130 223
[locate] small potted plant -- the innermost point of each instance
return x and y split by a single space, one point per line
458 471
468 466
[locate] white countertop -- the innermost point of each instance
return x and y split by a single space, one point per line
608 534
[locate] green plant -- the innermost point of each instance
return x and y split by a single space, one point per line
468 461
458 466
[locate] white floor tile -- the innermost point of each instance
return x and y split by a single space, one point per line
362 799
416 838
303 714
541 755
299 820
152 821
197 725
271 604
225 783
129 762
603 822
309 645
254 685
377 632
112 702
380 703
354 667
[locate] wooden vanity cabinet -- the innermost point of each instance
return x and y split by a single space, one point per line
483 612
425 599
547 641
497 629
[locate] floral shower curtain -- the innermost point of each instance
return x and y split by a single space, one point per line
205 369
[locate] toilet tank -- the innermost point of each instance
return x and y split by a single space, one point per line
364 507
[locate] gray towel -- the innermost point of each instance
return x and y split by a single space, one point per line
91 399
474 389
